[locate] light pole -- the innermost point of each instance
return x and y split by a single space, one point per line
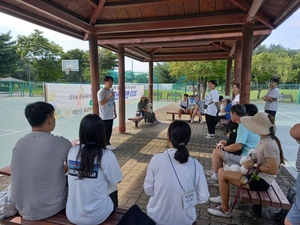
29 85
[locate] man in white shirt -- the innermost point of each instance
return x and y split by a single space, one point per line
212 102
184 107
107 108
272 97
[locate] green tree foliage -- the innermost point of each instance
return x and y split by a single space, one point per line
108 60
8 57
84 65
42 55
162 72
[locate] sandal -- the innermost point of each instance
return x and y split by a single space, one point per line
217 211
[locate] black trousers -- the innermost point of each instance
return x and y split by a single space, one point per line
108 125
272 113
114 198
210 122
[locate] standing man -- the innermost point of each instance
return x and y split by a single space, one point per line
38 181
211 105
107 108
272 97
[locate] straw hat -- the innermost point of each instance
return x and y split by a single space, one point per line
259 123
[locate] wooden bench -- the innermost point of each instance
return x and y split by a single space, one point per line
272 197
284 97
59 218
155 94
137 119
179 95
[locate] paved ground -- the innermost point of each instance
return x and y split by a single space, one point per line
138 145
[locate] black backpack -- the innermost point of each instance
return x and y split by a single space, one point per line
291 196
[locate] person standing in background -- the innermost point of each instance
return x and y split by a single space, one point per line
211 108
107 108
293 217
272 97
236 92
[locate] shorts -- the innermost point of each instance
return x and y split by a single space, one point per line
231 159
294 214
258 185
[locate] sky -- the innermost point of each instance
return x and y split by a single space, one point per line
287 34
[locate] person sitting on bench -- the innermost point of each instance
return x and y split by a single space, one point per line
142 108
93 175
184 107
269 157
38 181
197 109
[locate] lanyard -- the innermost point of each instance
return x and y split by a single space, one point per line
177 175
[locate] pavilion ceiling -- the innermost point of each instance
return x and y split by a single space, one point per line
158 30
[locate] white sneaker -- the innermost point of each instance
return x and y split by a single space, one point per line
209 172
217 211
212 182
218 200
210 136
192 120
110 147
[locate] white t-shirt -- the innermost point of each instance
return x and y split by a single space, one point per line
274 93
165 205
211 99
88 201
106 111
236 99
184 104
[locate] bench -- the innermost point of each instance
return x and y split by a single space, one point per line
59 218
137 119
284 97
179 95
155 94
272 197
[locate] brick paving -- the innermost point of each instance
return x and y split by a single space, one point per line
135 148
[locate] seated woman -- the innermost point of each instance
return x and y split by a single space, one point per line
224 112
269 156
142 107
175 181
93 175
198 109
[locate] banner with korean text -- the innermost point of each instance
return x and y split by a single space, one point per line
75 99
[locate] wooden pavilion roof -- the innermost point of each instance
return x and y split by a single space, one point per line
158 30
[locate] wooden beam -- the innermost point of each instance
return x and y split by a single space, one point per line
155 50
139 3
97 11
253 10
139 52
292 7
232 50
175 44
170 24
53 12
224 47
91 3
189 57
245 6
139 40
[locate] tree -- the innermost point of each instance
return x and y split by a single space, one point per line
9 57
83 63
107 61
161 71
41 54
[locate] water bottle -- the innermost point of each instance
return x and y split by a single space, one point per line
141 114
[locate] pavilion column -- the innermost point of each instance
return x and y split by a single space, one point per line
121 69
228 76
238 62
150 80
246 62
94 68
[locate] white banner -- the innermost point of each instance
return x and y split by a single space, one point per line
76 99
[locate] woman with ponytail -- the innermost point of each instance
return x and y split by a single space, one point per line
268 158
175 181
93 175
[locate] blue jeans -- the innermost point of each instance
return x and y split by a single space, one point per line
294 214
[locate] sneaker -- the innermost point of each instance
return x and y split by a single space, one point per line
218 200
201 121
210 136
148 123
110 147
217 211
212 182
157 122
209 172
192 121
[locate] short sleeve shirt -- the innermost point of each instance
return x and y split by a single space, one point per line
247 138
106 111
212 98
272 106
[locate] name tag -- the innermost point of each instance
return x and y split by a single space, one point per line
189 199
